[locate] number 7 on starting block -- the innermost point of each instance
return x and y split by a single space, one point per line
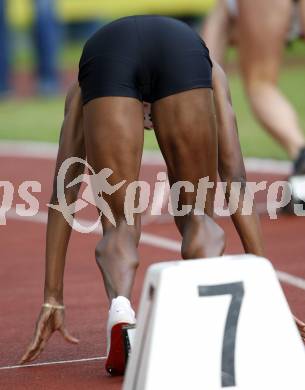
214 324
236 290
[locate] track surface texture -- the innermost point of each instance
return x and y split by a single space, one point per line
22 272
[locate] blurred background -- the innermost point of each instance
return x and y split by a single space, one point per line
41 42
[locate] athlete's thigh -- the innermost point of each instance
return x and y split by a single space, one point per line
263 28
186 132
113 129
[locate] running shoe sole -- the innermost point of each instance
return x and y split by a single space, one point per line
116 360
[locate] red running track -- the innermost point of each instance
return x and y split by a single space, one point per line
21 275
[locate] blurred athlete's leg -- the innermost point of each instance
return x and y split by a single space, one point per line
217 30
186 132
263 28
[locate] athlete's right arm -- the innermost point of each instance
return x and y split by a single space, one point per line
231 165
231 168
71 144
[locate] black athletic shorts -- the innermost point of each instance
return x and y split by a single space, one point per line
144 57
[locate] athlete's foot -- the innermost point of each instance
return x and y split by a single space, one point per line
296 180
120 315
299 163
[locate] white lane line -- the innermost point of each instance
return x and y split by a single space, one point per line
283 276
55 363
264 165
40 217
146 238
160 242
44 150
156 241
294 281
48 151
25 149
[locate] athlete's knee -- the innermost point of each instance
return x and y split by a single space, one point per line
257 85
202 238
258 91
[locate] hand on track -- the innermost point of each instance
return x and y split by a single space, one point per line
49 321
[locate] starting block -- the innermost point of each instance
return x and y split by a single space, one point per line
214 324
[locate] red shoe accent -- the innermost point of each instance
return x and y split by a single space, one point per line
116 360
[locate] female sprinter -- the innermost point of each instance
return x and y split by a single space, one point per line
164 62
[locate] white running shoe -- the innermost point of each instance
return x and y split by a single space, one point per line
120 315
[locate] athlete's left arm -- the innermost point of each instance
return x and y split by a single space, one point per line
71 144
231 165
